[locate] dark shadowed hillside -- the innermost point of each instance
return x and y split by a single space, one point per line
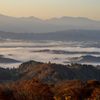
50 72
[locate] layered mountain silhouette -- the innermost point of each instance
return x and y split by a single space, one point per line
85 59
65 52
7 60
69 35
33 24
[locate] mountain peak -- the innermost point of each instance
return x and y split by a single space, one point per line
64 17
67 17
33 18
84 18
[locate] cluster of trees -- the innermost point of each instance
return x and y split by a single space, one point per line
36 90
26 90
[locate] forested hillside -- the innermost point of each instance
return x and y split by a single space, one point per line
49 81
50 72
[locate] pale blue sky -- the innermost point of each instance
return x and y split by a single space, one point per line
45 9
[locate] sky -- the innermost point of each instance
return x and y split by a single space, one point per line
46 9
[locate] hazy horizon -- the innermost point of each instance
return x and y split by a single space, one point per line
46 9
47 18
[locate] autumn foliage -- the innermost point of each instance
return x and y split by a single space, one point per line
26 90
36 90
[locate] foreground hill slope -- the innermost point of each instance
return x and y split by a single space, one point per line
50 72
36 90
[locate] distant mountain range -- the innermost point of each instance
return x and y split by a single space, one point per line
69 35
36 25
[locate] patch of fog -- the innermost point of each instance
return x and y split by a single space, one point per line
40 43
25 53
9 65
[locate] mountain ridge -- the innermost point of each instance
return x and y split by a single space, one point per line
69 35
37 25
50 72
63 17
